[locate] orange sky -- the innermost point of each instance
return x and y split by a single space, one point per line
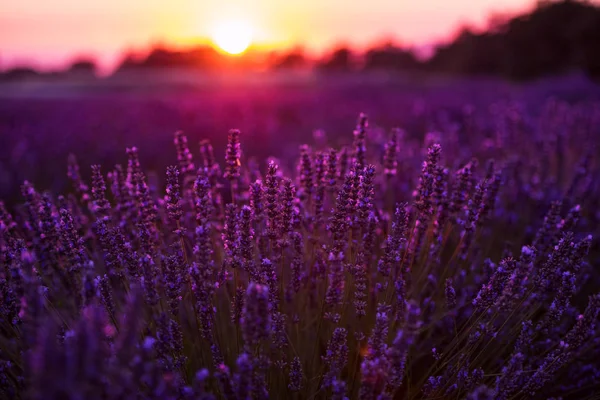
51 32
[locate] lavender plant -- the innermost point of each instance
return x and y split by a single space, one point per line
323 282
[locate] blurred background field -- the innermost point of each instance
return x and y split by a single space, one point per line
42 123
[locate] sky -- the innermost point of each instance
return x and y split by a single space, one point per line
51 33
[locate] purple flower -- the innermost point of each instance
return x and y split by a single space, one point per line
492 290
173 196
268 277
256 320
567 348
246 234
482 392
319 197
561 259
297 264
306 174
460 190
229 236
203 207
169 342
174 275
256 200
184 155
570 221
390 157
509 382
76 254
473 211
286 213
338 390
394 245
584 327
450 294
279 335
335 357
226 385
335 290
149 279
198 390
101 205
525 338
493 183
365 197
121 193
375 366
331 174
243 377
424 195
343 161
441 199
206 150
233 155
296 375
360 148
340 220
405 337
107 239
78 184
9 310
272 185
360 290
547 232
105 294
203 287
237 304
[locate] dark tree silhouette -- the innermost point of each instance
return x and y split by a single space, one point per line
19 74
390 57
294 59
556 37
83 68
339 61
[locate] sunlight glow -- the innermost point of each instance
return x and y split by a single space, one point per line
233 36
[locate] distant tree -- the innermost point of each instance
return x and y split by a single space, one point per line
19 74
129 62
293 59
340 60
555 37
390 57
162 58
83 67
497 22
199 58
470 53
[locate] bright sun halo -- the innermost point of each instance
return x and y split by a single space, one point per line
233 36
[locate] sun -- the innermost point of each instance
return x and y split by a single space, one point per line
233 36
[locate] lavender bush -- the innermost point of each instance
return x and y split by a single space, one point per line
383 269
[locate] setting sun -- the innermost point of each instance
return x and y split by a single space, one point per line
233 36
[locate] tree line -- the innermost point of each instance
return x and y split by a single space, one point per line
555 37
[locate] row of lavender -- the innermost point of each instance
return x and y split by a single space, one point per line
38 133
333 281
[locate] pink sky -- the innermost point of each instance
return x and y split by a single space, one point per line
51 32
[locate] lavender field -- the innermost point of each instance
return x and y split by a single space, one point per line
340 240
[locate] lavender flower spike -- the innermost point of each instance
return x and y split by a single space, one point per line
256 321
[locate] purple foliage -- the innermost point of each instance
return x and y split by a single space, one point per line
319 281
